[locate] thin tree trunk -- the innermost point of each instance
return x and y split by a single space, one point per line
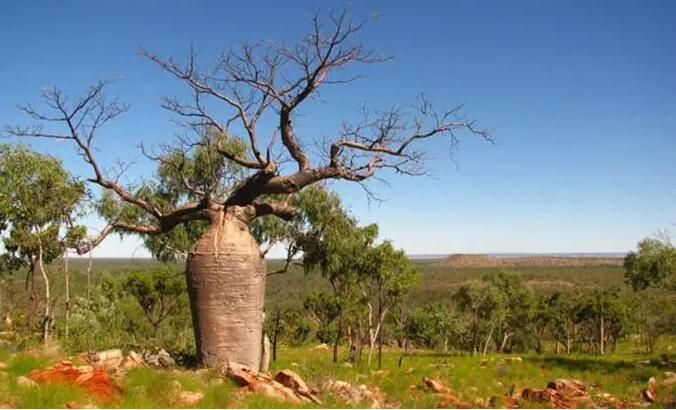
339 334
278 319
226 276
601 336
32 303
567 341
381 321
89 278
488 339
67 279
47 319
504 341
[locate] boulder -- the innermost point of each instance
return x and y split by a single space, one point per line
292 380
189 398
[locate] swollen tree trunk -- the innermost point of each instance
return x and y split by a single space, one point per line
226 284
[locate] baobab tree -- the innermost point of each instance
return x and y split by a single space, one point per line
225 268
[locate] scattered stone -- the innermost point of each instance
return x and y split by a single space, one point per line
322 347
568 387
108 359
356 395
132 360
160 359
435 386
189 398
448 398
3 366
262 384
547 395
24 381
293 381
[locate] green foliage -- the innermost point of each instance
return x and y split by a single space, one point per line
653 265
182 176
159 292
429 326
38 200
134 309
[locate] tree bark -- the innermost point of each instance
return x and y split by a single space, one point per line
226 285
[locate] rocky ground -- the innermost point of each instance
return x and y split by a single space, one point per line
114 378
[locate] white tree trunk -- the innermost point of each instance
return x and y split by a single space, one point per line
47 318
67 279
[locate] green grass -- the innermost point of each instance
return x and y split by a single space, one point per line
471 377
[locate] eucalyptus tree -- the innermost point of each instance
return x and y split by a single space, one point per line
389 276
652 265
240 180
38 202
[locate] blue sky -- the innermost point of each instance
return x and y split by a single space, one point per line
581 96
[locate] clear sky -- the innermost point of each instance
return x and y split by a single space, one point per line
581 96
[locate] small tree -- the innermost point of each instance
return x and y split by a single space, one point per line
389 277
654 264
158 292
429 326
38 201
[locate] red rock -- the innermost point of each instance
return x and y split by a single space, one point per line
95 381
